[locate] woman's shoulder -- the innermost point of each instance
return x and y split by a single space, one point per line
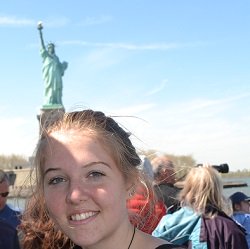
170 246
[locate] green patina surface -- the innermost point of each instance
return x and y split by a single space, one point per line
53 71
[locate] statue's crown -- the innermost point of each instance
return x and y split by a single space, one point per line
51 44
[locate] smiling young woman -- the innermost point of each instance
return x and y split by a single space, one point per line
86 172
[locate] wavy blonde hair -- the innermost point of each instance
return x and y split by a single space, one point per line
203 192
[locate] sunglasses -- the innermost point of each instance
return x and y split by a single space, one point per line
4 194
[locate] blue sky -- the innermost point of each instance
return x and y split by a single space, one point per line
180 68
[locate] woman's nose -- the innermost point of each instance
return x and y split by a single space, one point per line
77 193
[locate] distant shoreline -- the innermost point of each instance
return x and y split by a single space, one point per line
236 175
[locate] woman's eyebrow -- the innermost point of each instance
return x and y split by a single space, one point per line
98 162
86 165
50 169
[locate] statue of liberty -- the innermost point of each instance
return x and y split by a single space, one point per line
52 70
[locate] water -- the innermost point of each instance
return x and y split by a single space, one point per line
19 203
245 190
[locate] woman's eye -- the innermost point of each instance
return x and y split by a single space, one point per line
56 180
95 174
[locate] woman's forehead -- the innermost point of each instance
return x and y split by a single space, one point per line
67 134
75 141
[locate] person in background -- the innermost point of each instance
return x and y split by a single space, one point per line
241 211
86 171
8 236
140 205
6 213
164 180
203 220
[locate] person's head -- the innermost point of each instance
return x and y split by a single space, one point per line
240 202
4 188
203 191
51 48
146 167
163 169
87 169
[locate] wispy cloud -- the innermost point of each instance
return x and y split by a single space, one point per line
90 21
56 22
15 21
18 141
200 104
131 46
133 110
158 88
201 128
102 58
192 117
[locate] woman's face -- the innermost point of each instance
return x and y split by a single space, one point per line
85 193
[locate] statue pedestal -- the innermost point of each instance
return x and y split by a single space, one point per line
52 107
48 115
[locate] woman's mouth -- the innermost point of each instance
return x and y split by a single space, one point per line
82 216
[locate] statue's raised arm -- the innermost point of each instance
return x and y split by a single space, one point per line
53 70
40 27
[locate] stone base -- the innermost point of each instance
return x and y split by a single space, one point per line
52 107
49 115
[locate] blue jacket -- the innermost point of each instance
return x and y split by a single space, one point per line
244 220
10 216
185 227
8 236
